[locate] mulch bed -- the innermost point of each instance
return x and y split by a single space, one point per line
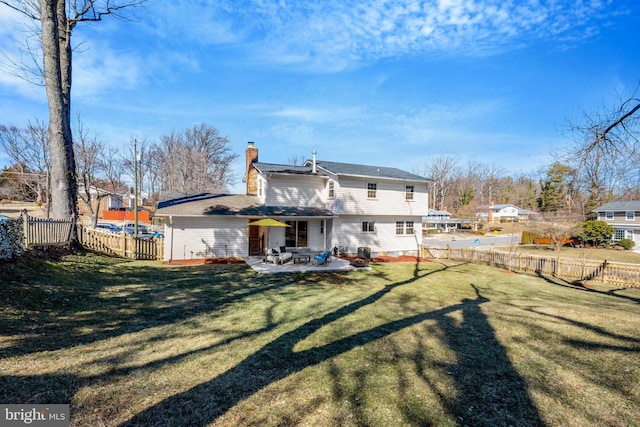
403 258
205 261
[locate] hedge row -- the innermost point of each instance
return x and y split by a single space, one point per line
11 239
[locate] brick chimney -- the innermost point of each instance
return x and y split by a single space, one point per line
251 174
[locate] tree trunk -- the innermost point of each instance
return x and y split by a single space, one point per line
57 76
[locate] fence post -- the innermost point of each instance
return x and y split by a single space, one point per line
604 272
519 262
25 227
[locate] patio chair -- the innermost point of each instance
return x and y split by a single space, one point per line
323 259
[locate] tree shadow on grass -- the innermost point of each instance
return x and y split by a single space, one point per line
63 307
485 379
491 390
581 286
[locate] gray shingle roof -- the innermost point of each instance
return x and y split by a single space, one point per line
629 205
366 171
277 168
175 204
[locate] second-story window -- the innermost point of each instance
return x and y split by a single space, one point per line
399 227
368 226
408 193
631 216
608 215
332 189
371 190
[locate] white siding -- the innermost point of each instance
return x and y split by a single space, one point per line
316 240
205 237
351 198
295 191
347 231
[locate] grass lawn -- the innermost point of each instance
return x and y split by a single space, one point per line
610 255
444 344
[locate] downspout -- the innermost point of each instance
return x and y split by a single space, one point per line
171 247
324 220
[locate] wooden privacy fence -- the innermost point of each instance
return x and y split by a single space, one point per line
612 273
121 244
46 231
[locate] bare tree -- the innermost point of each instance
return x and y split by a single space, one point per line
58 18
296 160
605 150
442 170
614 129
557 228
28 150
525 192
490 176
196 160
89 151
466 185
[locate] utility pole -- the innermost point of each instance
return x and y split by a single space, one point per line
135 190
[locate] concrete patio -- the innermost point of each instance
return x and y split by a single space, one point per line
261 267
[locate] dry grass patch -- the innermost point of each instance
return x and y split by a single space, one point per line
594 254
137 343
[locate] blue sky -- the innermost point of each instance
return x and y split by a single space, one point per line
391 83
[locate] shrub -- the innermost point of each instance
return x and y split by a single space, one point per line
528 237
11 239
628 244
596 233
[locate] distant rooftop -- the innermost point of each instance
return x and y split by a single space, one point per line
628 205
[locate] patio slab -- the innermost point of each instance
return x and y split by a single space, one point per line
261 267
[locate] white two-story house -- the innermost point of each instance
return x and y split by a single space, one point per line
324 205
624 216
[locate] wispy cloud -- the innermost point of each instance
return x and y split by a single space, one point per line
317 115
336 34
99 68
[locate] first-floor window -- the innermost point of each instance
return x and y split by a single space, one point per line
404 227
409 227
368 226
622 234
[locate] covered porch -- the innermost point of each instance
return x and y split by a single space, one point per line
296 233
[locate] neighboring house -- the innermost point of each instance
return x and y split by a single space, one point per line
499 212
325 205
441 220
624 217
108 200
525 214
